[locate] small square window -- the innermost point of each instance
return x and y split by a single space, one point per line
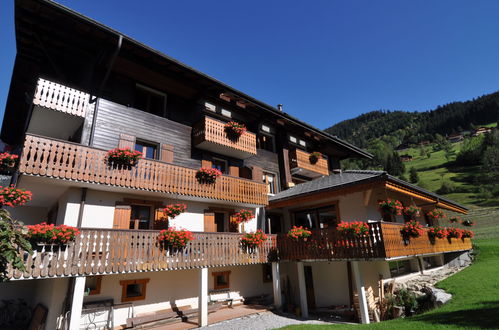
209 106
226 113
148 149
220 164
133 290
222 280
303 143
93 285
293 139
265 128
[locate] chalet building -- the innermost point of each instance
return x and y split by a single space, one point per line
406 158
80 89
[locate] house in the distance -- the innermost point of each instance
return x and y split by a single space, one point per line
80 89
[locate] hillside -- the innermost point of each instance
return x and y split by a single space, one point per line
414 127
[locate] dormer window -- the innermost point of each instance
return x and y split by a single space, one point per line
150 100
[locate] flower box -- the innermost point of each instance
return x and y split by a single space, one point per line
355 229
412 211
207 175
241 217
436 232
299 233
123 158
173 210
454 232
234 130
7 162
412 229
467 234
251 241
43 235
467 223
390 207
314 157
454 219
174 240
11 196
435 214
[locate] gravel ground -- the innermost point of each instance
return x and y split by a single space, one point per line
260 321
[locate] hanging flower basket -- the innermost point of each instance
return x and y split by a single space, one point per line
44 234
355 229
7 162
454 219
467 234
207 175
241 217
390 207
234 130
123 158
174 240
412 211
251 241
11 196
454 232
314 157
467 223
299 233
435 214
436 232
412 229
172 210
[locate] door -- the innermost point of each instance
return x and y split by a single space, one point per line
209 222
140 217
309 285
220 221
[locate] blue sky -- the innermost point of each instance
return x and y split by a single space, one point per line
326 61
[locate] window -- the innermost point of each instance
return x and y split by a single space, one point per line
150 100
267 273
148 149
93 285
324 217
219 164
226 113
266 142
303 143
140 217
210 106
293 139
222 280
132 290
270 180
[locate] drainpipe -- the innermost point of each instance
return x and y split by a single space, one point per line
82 206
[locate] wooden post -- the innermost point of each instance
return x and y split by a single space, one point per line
303 289
276 285
421 265
361 292
77 302
203 298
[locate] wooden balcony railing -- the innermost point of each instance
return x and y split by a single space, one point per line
210 134
300 163
64 160
61 98
108 251
384 241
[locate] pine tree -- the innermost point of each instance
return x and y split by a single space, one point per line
413 175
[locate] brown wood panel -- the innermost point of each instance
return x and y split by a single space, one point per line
301 159
166 154
209 222
126 141
122 214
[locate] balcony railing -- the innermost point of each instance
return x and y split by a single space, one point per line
209 134
64 160
300 164
108 251
58 97
384 241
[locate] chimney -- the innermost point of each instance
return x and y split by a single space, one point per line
279 107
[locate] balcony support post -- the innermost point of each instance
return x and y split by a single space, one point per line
361 292
203 297
303 289
276 285
77 302
421 264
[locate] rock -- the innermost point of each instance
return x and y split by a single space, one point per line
438 296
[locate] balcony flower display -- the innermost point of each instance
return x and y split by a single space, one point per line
174 239
299 233
7 162
437 232
454 232
44 233
412 211
467 234
172 210
251 241
208 175
356 229
234 130
435 214
454 219
123 157
11 196
241 217
412 229
390 207
467 223
314 157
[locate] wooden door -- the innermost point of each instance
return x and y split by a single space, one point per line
309 285
122 215
209 222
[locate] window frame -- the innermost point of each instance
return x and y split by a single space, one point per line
276 181
98 285
272 136
151 214
125 283
145 143
216 159
217 286
316 208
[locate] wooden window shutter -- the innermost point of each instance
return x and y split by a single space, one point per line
234 171
160 220
233 227
166 154
209 222
206 163
126 141
122 214
257 174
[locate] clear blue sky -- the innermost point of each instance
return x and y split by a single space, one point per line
326 61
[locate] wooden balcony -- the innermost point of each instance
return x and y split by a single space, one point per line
69 161
383 242
108 251
58 97
209 134
299 162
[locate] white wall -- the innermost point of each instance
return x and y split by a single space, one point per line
330 283
29 215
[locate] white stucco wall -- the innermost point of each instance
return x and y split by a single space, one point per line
330 283
29 215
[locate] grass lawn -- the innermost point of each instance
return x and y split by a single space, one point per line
475 302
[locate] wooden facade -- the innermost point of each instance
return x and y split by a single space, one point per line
300 164
64 160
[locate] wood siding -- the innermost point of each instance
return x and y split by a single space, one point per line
300 159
